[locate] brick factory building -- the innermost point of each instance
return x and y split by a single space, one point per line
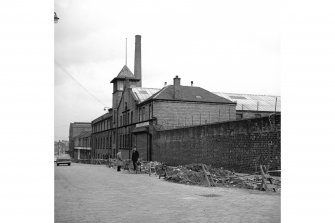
139 115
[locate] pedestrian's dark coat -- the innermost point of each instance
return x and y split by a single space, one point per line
134 156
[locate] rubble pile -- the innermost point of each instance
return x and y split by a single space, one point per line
193 174
184 175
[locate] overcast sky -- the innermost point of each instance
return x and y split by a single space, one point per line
225 46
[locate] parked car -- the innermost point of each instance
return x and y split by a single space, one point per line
63 159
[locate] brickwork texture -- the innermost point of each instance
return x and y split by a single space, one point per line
240 145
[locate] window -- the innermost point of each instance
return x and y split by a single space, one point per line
239 116
143 114
149 111
131 117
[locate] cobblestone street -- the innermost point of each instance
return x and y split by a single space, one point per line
93 193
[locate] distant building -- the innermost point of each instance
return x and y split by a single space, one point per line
75 130
82 146
61 147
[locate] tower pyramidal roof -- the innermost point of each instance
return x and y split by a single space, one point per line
125 73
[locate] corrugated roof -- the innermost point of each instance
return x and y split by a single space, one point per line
141 94
253 102
188 93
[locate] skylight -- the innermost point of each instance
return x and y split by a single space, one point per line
237 97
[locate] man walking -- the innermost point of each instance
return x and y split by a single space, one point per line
134 158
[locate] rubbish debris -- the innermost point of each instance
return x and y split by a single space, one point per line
195 174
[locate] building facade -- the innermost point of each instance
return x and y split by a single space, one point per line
61 147
82 146
75 130
137 113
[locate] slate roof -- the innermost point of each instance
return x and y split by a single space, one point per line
125 73
188 93
252 102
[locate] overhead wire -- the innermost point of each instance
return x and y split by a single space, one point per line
68 73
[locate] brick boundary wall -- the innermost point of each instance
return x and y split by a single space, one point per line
240 145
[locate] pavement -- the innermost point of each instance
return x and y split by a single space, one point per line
95 193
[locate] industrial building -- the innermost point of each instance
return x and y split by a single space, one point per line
138 112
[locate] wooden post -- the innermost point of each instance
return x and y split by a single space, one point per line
263 179
205 172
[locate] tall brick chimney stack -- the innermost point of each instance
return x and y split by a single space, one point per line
138 63
176 86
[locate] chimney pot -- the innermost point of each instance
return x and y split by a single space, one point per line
176 86
165 83
191 83
176 81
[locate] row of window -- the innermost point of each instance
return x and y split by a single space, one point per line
84 142
125 119
102 126
126 141
104 142
96 155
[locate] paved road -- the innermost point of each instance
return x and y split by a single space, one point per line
92 193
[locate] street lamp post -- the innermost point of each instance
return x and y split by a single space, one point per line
55 18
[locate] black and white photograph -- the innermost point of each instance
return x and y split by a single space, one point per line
167 111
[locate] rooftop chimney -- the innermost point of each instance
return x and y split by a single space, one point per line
176 87
191 83
165 83
138 63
